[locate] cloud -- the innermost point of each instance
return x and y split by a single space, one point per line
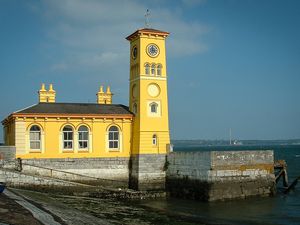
59 67
192 3
91 33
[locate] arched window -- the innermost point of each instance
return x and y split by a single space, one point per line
113 137
83 137
134 108
154 139
35 137
159 70
68 137
153 107
147 69
153 69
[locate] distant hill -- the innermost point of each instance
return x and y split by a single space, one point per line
239 142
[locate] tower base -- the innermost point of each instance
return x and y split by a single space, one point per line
147 172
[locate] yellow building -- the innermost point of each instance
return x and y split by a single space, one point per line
69 130
140 132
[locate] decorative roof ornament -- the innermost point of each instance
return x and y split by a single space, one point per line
147 15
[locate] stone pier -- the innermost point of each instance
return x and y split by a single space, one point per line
220 175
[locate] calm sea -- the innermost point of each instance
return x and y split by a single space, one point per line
280 209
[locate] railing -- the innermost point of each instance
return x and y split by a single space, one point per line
281 167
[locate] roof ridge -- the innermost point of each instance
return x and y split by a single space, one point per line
74 103
25 108
77 108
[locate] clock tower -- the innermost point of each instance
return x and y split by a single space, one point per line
148 100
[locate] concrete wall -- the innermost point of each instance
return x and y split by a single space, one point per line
220 175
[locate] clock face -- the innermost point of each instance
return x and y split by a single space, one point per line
152 50
134 52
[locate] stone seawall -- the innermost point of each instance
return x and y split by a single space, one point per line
17 179
110 171
208 176
220 175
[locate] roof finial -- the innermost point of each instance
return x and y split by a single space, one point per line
147 15
43 87
51 87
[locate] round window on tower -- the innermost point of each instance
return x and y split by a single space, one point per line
134 52
153 90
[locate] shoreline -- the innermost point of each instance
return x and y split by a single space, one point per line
79 210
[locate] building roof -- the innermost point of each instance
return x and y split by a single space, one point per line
76 109
152 30
147 31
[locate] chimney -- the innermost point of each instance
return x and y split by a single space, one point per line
47 96
104 97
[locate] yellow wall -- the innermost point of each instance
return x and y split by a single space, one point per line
9 134
146 125
52 142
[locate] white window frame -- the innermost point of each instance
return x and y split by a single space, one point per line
83 140
67 140
113 140
31 141
157 105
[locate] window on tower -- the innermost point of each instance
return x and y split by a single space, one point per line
159 70
147 69
134 108
153 69
153 107
154 140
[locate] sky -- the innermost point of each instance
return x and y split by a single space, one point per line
231 64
